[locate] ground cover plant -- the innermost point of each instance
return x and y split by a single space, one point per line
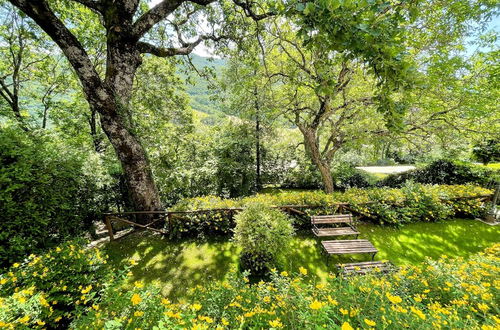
435 294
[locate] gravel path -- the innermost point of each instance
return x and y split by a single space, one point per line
386 169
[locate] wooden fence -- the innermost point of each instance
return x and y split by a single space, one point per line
169 216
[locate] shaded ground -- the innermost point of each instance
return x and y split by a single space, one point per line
179 265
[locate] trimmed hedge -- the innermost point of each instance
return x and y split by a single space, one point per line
413 202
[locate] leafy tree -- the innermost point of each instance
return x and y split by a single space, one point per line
128 29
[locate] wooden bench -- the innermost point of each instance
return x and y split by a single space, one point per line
366 267
354 246
332 220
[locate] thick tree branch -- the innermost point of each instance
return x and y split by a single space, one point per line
145 47
186 49
159 13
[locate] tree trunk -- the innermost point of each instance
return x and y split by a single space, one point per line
135 164
122 63
258 182
326 175
312 147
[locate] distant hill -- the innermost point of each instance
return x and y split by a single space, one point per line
198 88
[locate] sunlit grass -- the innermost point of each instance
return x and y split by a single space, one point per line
179 265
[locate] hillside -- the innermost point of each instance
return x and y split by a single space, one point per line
198 88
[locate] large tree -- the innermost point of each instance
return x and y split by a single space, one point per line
130 30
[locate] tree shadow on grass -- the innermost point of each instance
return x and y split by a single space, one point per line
175 265
183 264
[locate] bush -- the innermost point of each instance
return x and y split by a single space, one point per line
441 172
446 293
303 176
487 151
347 177
46 195
262 233
49 290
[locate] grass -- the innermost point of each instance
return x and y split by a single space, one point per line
179 265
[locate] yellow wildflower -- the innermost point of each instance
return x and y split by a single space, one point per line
24 319
370 322
418 312
138 284
136 299
303 271
483 307
393 299
276 323
87 289
196 307
344 311
316 304
284 273
139 313
332 301
347 326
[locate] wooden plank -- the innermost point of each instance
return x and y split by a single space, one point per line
348 246
342 231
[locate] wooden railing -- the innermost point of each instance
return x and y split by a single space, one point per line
169 216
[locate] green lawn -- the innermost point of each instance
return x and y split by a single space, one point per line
179 265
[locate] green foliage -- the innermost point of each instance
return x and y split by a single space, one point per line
306 176
47 194
487 151
50 289
347 177
235 160
454 293
303 176
442 172
262 234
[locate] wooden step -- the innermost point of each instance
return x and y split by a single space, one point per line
341 231
366 267
353 246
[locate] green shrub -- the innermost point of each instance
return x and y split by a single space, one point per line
487 151
48 290
303 176
262 233
445 293
347 177
46 194
441 172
